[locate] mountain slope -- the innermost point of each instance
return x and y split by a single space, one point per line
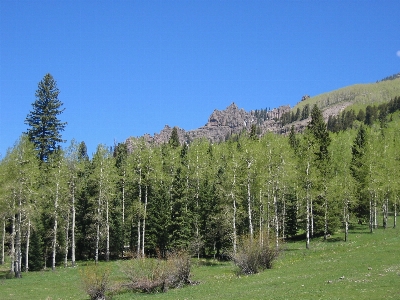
232 120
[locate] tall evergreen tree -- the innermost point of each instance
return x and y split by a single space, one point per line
44 126
174 138
318 129
359 170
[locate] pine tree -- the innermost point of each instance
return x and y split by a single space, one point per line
318 129
44 126
359 170
174 138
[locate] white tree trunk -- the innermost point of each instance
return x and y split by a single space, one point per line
375 212
144 218
311 216
283 215
138 215
261 220
346 219
73 228
325 218
249 211
66 242
234 236
107 232
96 259
308 208
3 238
394 214
371 218
12 252
18 256
53 266
123 204
28 237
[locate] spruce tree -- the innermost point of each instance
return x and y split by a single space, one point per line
359 170
44 126
174 138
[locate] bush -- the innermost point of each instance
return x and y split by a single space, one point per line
253 257
156 275
96 282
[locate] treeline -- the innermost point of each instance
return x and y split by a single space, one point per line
201 197
290 117
346 118
368 116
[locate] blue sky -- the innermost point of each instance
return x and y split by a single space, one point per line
126 68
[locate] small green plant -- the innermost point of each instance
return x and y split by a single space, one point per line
253 256
96 282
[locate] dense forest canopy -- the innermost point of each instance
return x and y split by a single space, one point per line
199 196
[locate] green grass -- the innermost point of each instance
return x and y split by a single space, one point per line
358 94
365 267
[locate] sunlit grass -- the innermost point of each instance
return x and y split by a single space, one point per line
365 267
359 94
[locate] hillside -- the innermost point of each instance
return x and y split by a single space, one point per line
233 120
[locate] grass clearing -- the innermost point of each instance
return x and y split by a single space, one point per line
367 266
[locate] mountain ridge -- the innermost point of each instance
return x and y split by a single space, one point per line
223 123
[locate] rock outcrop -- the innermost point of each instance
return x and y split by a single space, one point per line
220 125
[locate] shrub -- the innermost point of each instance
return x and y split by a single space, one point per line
157 275
96 282
253 257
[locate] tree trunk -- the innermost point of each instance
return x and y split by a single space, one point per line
234 237
123 204
268 221
394 215
28 237
144 218
276 221
3 238
73 228
346 220
66 242
283 215
261 221
311 217
18 256
375 212
12 252
53 266
107 232
123 212
371 218
308 209
384 215
249 212
325 218
96 259
139 213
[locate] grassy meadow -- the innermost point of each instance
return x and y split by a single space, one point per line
359 95
365 267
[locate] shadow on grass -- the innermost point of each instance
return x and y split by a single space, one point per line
5 275
335 239
208 262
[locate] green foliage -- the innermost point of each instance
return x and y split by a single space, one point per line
96 281
157 275
44 126
174 139
253 256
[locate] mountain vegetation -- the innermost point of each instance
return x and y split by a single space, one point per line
147 198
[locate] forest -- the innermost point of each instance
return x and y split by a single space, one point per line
59 206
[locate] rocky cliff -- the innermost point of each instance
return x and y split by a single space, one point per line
220 125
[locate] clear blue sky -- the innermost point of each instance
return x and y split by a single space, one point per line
125 68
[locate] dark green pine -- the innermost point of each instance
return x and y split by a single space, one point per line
44 126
